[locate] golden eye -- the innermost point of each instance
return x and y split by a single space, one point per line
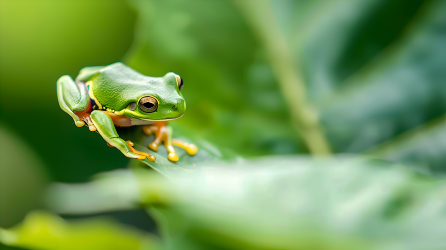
179 82
148 104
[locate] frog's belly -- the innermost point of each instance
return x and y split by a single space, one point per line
136 122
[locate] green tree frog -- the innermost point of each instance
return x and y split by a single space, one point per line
105 97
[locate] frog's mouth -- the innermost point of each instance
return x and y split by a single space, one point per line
159 120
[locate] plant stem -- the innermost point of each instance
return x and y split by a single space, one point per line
304 118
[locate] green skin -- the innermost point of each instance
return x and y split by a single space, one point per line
115 87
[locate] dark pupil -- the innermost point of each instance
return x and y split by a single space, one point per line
148 105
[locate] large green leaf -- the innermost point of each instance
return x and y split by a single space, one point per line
290 203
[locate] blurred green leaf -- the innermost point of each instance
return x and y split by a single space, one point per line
42 230
400 89
335 39
422 147
22 178
293 203
375 70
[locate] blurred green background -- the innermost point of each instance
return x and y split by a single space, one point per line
373 76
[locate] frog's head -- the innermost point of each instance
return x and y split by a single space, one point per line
163 101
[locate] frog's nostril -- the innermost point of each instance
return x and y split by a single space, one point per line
174 106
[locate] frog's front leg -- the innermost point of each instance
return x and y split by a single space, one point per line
163 133
107 130
73 99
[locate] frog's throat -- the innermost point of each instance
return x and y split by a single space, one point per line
158 120
167 119
90 93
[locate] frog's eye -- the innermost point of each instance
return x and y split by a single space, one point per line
179 82
148 104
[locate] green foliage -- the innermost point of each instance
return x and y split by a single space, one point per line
373 70
281 203
42 230
391 90
22 178
261 78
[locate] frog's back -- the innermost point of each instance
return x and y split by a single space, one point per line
117 85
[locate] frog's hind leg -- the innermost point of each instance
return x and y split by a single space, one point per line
106 128
72 98
163 133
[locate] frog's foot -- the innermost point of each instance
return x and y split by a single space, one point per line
191 149
90 123
80 123
135 154
160 131
140 155
163 133
85 118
